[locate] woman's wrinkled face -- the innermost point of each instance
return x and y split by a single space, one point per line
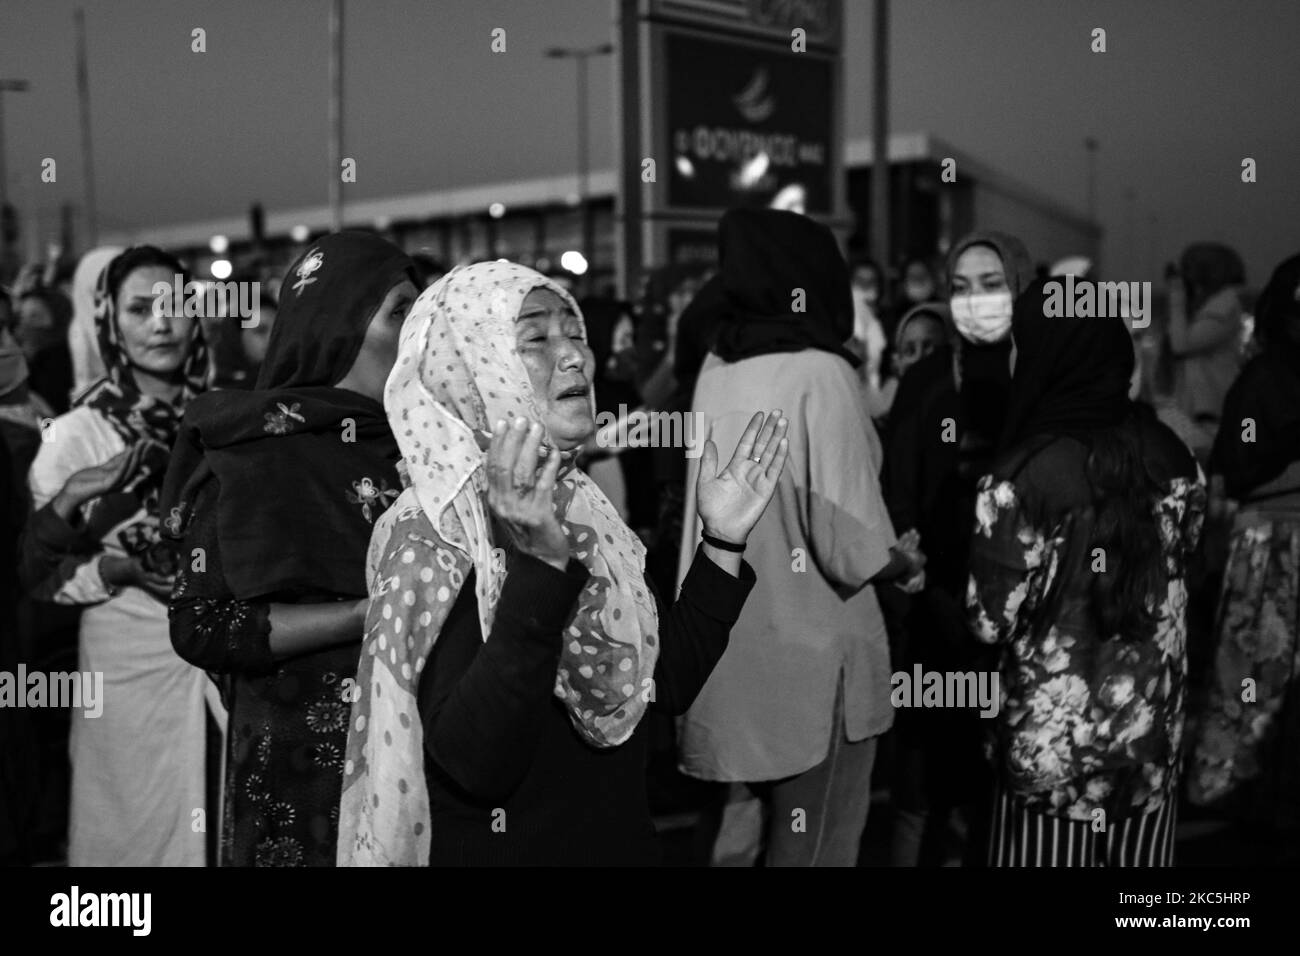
156 344
978 270
921 336
550 339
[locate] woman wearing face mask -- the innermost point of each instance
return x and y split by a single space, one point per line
278 489
1084 529
946 421
138 765
1246 753
513 644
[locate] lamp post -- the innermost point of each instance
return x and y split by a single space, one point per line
582 54
1090 147
6 86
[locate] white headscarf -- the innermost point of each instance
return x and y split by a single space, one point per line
87 365
457 372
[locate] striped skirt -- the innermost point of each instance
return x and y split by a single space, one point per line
1024 837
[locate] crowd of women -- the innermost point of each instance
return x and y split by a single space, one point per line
365 586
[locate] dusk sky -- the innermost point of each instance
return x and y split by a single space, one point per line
1185 91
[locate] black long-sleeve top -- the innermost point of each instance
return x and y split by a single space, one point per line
510 781
288 718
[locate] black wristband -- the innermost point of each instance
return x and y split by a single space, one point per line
722 545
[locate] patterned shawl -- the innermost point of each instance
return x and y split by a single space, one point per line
456 373
138 417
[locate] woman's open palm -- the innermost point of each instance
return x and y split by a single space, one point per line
731 501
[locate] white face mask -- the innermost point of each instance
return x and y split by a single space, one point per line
983 317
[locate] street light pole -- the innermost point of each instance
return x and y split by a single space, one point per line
6 86
1090 144
880 225
582 55
336 116
83 101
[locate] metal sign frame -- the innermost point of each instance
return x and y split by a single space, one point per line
644 27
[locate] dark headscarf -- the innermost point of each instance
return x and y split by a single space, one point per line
986 368
1276 307
1267 391
765 255
304 468
1072 374
928 372
1017 265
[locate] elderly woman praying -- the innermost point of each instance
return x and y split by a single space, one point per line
513 642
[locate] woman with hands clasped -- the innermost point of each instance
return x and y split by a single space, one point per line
93 541
513 643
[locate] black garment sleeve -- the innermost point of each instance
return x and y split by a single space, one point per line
482 704
50 552
210 628
694 632
1266 399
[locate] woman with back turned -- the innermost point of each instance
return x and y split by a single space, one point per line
1083 531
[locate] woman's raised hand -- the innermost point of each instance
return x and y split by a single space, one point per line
731 501
521 498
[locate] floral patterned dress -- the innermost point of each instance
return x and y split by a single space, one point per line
1087 721
288 719
1245 756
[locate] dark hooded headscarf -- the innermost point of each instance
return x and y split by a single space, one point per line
1072 374
773 262
304 468
1016 263
985 368
1267 392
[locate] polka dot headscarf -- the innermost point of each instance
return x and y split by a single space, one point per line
457 372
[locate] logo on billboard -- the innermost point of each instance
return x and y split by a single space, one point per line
754 102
